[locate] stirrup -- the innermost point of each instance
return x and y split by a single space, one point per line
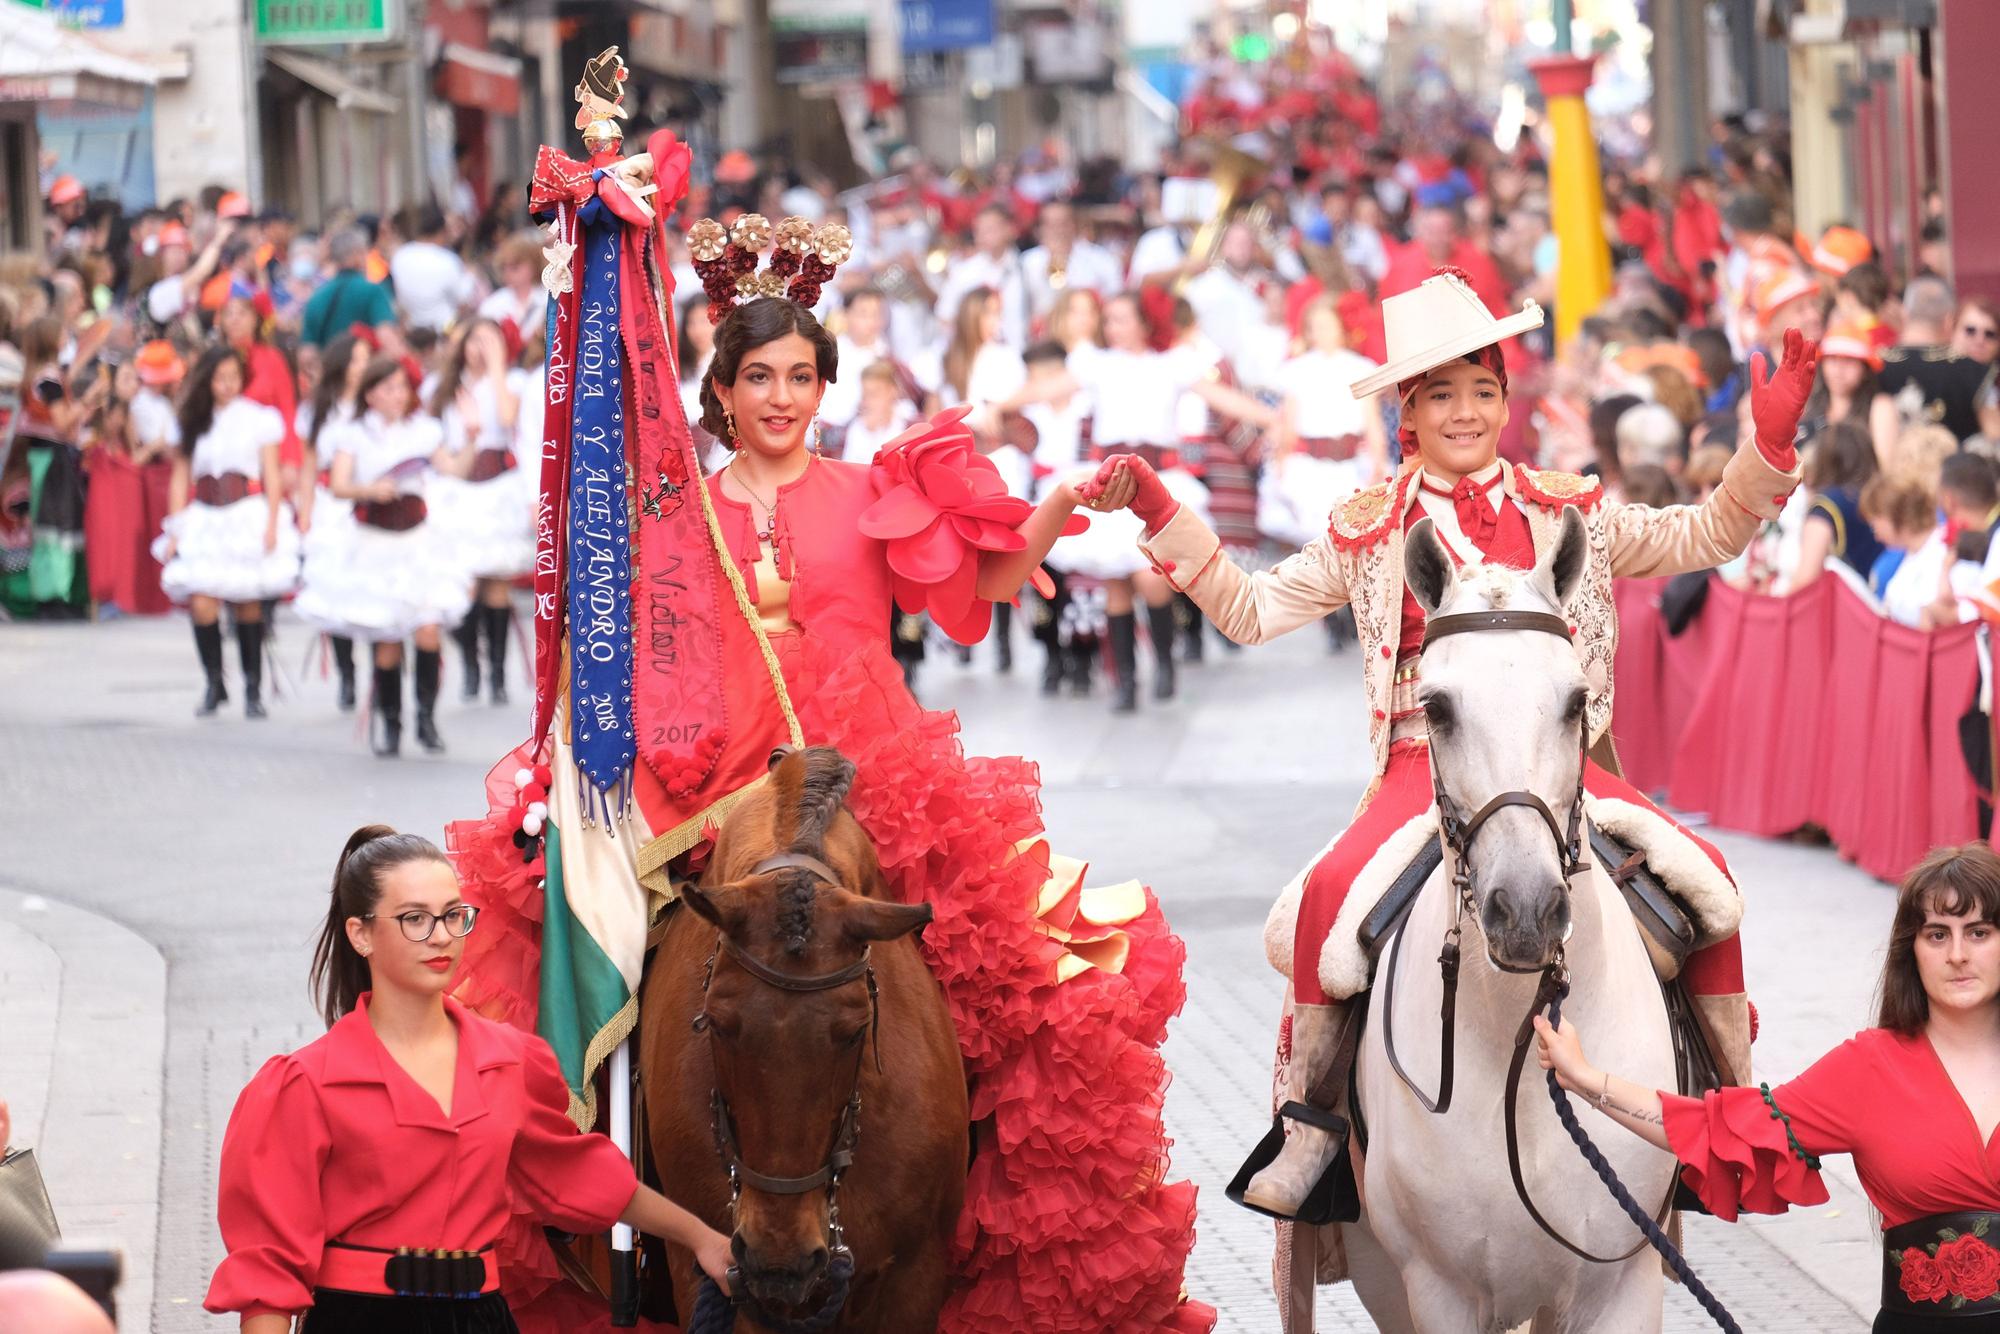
1334 1198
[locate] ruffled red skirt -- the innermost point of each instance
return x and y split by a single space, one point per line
1070 1223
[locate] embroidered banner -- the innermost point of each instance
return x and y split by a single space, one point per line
565 257
600 567
676 595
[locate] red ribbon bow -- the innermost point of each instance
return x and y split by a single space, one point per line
558 180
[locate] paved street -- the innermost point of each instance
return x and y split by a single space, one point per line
204 850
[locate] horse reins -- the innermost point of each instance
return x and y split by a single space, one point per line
1457 836
847 1133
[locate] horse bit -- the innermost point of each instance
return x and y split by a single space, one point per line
848 1133
1457 836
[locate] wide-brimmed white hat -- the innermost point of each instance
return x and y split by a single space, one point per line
1439 321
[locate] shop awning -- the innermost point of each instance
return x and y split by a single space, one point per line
483 80
42 61
327 78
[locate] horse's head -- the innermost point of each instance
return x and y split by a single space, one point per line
1505 708
790 1008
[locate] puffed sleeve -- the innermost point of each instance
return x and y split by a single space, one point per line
940 506
268 1200
1644 541
577 1182
1732 1141
271 427
1250 608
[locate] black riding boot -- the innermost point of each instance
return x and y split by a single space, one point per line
466 636
1162 627
389 711
1003 638
430 665
1124 628
208 643
1189 620
250 654
343 666
499 624
1081 655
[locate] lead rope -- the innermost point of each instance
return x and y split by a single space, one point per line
1661 1242
715 1313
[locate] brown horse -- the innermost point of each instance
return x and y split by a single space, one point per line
803 1083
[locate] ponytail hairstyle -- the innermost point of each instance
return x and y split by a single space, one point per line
339 973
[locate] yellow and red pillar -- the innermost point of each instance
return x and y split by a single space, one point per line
1576 193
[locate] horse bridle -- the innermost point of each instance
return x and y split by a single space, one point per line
848 1133
1457 836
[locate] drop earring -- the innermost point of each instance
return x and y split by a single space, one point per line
815 444
729 425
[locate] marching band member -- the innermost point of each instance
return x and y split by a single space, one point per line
487 502
1451 383
229 536
1069 622
325 520
366 1176
399 578
1914 1100
884 414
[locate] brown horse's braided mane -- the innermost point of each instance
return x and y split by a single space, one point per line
828 775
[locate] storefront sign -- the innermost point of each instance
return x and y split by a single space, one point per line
946 25
819 41
326 22
83 13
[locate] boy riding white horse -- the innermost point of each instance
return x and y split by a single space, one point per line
1451 384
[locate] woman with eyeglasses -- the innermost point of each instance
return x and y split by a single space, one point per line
366 1176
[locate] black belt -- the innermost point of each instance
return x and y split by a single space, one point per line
1943 1267
395 516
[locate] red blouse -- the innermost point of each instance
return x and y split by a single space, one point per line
271 384
1883 1098
839 577
336 1142
1512 544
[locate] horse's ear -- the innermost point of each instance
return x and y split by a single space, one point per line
722 906
1427 566
1563 569
875 919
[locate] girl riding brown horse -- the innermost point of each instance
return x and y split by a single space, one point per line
803 1081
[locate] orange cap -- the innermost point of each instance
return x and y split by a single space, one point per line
735 168
66 190
174 234
232 205
1849 340
1840 249
1781 287
158 364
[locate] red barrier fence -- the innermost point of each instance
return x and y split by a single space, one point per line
1767 714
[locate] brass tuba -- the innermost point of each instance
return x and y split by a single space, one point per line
1234 172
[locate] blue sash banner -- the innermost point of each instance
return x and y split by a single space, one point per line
600 554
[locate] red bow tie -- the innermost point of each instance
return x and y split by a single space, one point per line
1470 500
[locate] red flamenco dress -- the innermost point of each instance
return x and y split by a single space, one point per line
1887 1100
1060 994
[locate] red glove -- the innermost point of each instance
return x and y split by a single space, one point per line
1129 482
1778 400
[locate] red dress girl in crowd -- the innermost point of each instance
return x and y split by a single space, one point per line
1915 1100
366 1175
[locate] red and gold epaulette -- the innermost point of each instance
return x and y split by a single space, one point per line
1366 517
1553 490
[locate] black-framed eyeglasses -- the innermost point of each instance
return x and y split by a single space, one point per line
420 926
1974 331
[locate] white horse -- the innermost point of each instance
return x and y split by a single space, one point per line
1444 1245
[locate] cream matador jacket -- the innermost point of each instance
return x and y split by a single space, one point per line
1359 563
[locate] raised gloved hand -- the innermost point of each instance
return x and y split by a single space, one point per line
1128 481
1778 398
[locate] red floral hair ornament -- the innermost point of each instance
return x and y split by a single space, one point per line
727 261
940 506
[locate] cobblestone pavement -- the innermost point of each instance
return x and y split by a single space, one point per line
211 843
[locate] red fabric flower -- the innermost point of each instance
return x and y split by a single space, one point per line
1923 1278
1971 1267
672 161
940 504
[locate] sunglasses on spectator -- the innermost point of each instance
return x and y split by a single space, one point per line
1975 331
